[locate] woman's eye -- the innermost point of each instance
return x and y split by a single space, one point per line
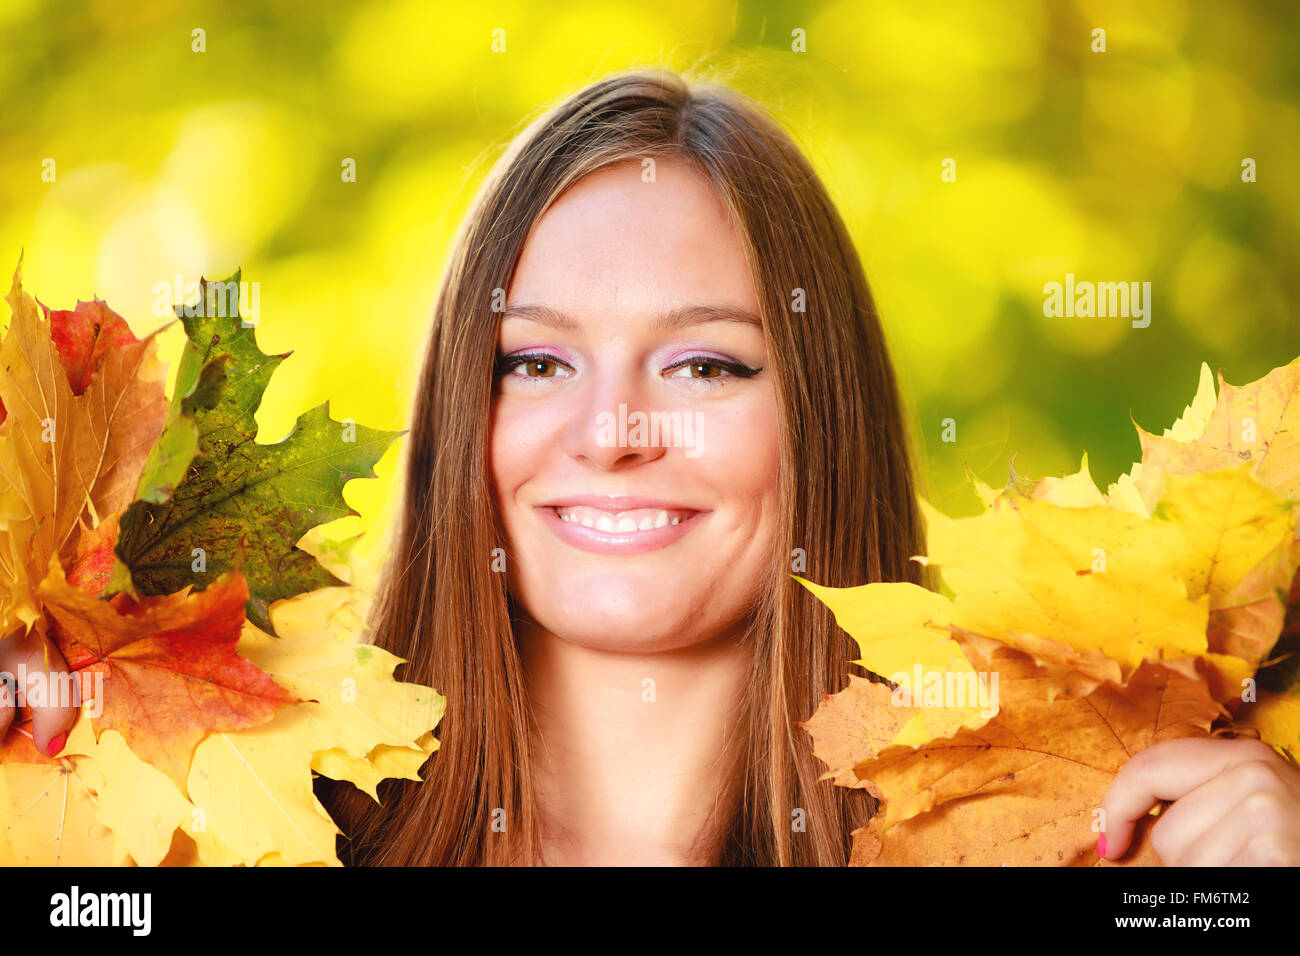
532 366
710 369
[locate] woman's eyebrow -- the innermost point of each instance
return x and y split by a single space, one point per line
678 318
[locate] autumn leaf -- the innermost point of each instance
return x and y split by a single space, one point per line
903 631
853 727
211 485
355 721
48 809
1093 579
70 448
1230 539
254 789
247 799
1257 423
384 762
1274 713
138 803
170 665
1104 622
1023 789
211 728
95 558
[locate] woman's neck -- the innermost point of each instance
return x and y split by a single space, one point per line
628 755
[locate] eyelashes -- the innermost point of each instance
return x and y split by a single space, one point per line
738 369
506 364
713 371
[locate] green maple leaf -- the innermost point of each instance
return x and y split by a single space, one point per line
210 496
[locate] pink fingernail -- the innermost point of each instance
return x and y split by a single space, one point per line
1101 846
56 744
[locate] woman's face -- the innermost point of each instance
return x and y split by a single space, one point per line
635 423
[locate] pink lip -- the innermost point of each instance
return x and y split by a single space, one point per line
615 502
613 542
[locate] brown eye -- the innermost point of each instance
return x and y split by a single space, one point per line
531 366
714 372
539 368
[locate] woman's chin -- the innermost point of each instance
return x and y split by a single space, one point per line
647 624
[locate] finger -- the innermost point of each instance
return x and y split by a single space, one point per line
1167 771
9 678
1269 851
1259 830
45 686
7 706
1192 822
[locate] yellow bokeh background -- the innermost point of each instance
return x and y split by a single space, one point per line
1122 165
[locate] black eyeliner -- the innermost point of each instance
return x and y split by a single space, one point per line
739 369
507 363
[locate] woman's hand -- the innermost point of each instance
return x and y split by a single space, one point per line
1236 802
47 690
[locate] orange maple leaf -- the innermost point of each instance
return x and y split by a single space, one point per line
170 665
1025 788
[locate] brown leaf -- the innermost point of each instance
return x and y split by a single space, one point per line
1022 789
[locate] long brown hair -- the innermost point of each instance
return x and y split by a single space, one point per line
846 481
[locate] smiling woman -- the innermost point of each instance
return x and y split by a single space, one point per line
629 690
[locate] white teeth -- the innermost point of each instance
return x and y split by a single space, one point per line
623 522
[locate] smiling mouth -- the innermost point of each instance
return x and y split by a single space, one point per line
625 521
619 524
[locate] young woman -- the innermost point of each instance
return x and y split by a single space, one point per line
610 614
625 685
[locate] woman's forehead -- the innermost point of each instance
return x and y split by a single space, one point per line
617 241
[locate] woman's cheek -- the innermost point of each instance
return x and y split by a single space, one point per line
740 443
519 431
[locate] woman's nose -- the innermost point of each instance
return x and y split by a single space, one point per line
609 427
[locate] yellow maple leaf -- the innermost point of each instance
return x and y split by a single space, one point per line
902 632
48 809
66 459
137 802
1092 579
1257 423
253 790
384 762
1108 627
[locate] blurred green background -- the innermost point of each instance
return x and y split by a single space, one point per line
1115 166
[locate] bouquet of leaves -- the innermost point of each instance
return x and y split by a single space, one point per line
1076 628
219 659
